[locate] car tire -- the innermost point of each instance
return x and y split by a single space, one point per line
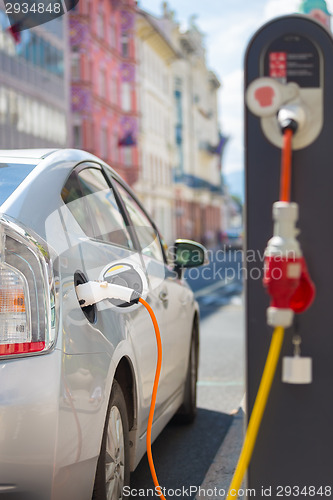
188 411
113 469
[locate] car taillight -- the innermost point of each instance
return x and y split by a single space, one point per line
27 296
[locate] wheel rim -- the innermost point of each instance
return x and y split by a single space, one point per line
115 456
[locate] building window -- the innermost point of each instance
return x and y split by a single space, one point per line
90 136
113 90
13 110
100 23
7 43
126 96
32 117
124 42
166 83
127 155
112 33
53 60
91 70
76 67
4 105
114 148
160 172
86 67
102 83
35 50
48 56
87 5
104 142
77 136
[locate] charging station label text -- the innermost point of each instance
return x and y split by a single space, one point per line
293 58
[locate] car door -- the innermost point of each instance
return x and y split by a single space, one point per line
112 240
171 300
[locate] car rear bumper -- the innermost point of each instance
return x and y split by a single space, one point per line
29 402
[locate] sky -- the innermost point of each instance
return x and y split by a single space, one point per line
228 26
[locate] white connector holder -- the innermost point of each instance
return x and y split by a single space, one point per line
284 242
279 317
297 370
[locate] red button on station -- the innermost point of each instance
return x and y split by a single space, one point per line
264 96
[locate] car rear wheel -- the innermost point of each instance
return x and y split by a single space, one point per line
188 411
113 471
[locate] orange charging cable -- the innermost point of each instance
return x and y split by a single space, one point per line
285 183
153 397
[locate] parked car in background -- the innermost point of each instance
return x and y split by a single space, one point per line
232 239
76 381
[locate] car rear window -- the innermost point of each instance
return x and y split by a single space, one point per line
11 176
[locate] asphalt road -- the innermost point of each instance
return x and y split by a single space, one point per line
222 266
215 285
183 454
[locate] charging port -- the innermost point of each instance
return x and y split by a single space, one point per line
89 311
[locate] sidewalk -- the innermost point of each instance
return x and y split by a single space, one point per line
219 475
228 399
222 359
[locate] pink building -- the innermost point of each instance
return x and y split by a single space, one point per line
104 116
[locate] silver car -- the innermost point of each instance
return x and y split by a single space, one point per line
76 381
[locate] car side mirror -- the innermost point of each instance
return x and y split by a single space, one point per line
188 253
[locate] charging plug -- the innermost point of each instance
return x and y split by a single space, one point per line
292 117
123 283
95 291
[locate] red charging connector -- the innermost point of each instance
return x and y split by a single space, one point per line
286 276
288 283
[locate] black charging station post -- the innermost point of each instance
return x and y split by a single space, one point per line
295 442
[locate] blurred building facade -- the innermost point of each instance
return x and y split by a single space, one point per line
179 124
104 117
130 87
199 143
33 85
155 186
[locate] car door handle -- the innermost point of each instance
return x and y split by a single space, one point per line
163 295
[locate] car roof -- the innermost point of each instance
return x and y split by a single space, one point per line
35 154
55 162
67 155
38 156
